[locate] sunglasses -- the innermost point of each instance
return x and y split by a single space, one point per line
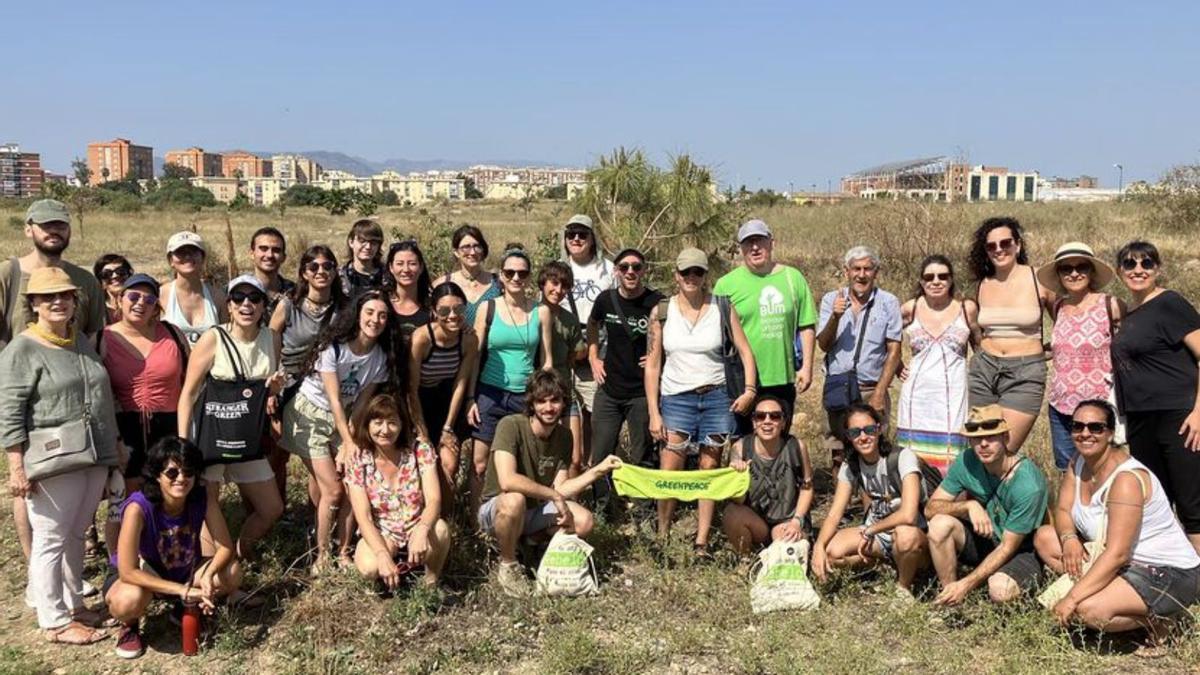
115 273
239 297
986 425
135 297
51 297
517 275
314 266
188 252
1091 427
1131 264
467 248
446 312
935 276
854 432
172 474
631 267
577 236
693 272
764 415
1002 245
1082 269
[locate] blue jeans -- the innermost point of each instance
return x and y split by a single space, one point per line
704 419
1060 437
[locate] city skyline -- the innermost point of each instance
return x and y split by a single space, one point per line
769 95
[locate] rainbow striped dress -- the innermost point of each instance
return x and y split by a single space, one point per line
933 400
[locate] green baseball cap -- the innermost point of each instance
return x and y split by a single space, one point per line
47 211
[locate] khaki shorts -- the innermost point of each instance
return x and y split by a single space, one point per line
1015 382
254 471
585 390
306 429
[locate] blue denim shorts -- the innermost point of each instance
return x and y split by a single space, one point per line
705 419
494 405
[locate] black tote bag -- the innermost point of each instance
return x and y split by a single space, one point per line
230 415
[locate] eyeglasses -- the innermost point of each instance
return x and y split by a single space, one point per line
368 242
115 273
577 236
854 432
172 474
239 297
51 297
1131 264
314 266
1082 269
764 415
135 297
467 248
694 272
985 425
517 275
1092 427
630 267
936 276
445 312
1002 245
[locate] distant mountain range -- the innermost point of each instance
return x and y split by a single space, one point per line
359 166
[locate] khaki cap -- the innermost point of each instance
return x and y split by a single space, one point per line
47 211
691 257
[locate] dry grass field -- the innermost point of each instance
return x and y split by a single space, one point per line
658 610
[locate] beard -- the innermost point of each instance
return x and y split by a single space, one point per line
53 250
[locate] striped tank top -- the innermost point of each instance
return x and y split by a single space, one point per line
441 363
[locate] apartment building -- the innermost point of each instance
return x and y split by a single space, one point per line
199 162
260 191
245 164
486 174
119 159
419 188
294 170
21 173
342 180
224 189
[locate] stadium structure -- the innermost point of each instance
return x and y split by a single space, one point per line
941 179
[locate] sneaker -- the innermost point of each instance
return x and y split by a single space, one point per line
130 645
88 590
512 580
903 596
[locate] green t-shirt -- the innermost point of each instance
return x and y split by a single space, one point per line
537 458
1018 505
566 339
771 307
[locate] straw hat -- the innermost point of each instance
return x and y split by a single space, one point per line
985 420
1102 272
47 280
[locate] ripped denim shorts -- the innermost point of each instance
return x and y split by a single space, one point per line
702 415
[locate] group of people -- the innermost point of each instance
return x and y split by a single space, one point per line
376 373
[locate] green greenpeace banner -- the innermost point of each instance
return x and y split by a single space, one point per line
688 486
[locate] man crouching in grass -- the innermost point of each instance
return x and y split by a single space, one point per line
991 527
526 490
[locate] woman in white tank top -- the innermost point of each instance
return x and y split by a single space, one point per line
1145 567
690 409
188 303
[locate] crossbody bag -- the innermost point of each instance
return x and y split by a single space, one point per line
66 447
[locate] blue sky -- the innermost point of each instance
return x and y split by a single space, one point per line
767 93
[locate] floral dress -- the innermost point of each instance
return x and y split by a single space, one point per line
396 505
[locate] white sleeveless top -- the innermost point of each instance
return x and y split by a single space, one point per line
1160 540
176 316
258 357
693 353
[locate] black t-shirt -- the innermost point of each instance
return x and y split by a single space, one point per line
1154 368
626 343
411 322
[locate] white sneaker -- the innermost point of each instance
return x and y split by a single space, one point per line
88 590
513 581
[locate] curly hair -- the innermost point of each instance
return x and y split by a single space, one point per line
978 261
545 384
347 326
424 283
383 406
186 456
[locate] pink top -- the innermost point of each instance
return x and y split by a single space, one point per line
145 385
1081 344
396 506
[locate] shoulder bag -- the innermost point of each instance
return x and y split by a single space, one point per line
841 389
735 373
66 447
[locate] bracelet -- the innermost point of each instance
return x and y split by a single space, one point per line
448 428
1064 538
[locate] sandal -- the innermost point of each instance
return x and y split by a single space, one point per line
244 600
95 618
75 633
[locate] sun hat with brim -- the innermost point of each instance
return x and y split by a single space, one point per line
1102 272
985 420
246 280
47 280
140 279
47 211
691 257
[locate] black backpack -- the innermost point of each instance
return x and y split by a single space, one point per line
931 478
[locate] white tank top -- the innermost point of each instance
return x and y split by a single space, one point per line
693 353
258 357
176 316
1160 540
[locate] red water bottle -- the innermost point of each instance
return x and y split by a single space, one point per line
191 629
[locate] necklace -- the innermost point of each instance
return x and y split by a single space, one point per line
473 278
49 335
513 321
315 308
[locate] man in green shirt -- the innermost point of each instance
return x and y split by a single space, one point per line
775 305
992 527
526 490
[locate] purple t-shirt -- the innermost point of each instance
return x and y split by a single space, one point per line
170 544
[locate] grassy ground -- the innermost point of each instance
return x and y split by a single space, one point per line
658 610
